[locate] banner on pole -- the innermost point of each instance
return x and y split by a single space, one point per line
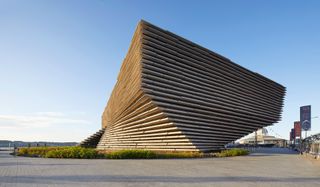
297 129
305 117
292 135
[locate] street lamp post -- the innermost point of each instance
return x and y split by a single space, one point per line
310 120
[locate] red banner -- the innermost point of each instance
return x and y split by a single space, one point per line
297 129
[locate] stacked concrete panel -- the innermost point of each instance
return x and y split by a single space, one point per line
172 94
93 140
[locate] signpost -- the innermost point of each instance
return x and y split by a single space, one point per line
292 138
305 118
297 131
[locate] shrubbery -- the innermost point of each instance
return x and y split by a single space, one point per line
59 152
147 154
232 152
36 151
180 155
73 152
131 154
89 153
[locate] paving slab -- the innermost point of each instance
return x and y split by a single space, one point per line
265 167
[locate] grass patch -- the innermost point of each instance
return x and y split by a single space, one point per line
232 152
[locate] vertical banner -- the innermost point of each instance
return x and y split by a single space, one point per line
292 135
305 117
297 129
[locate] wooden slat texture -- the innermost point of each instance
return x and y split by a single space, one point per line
172 94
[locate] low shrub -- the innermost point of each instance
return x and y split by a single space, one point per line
73 152
59 152
131 154
35 151
165 155
232 152
90 153
148 154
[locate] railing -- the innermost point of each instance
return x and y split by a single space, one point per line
6 148
311 145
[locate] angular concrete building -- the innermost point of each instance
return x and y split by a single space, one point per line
172 94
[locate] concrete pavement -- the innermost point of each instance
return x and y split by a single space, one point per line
266 167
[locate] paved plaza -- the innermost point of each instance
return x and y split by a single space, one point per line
266 167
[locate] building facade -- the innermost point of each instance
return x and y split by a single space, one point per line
174 95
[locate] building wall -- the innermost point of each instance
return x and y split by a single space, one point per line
205 101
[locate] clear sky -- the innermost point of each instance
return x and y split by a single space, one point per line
59 60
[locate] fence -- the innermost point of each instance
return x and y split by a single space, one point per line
311 145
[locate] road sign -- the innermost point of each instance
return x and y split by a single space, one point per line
305 117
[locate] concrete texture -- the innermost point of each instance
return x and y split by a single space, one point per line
266 167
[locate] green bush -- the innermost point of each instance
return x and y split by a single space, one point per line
35 151
131 154
90 153
166 155
59 152
73 152
147 154
232 152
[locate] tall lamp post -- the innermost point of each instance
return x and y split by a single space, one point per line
310 119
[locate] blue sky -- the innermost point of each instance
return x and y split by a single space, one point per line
59 60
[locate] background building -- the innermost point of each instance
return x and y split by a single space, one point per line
262 138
